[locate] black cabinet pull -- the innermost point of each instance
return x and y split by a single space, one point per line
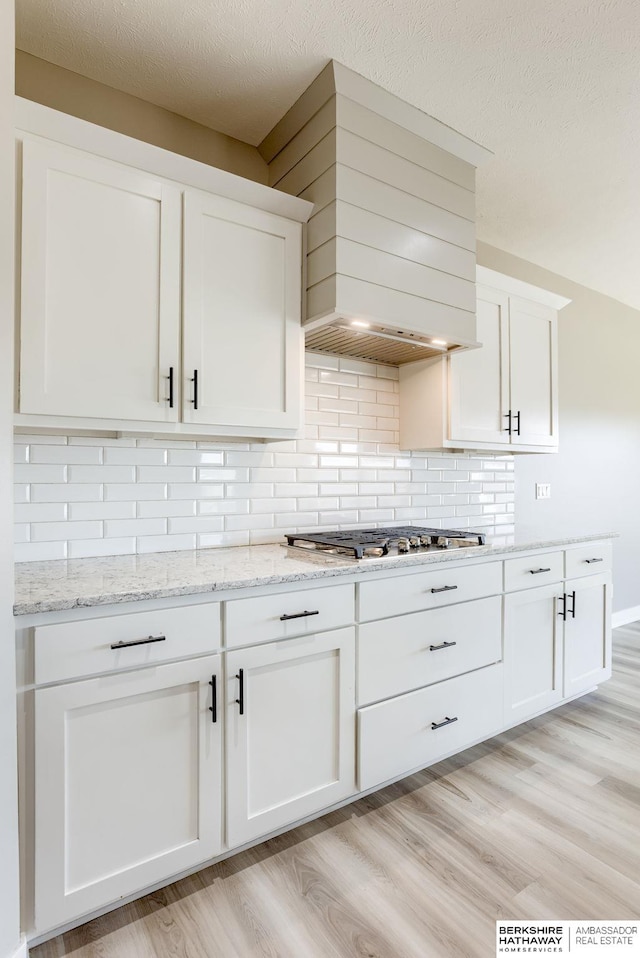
443 645
195 389
445 588
298 615
447 721
147 641
213 708
563 599
518 420
170 387
508 416
589 561
572 610
538 571
240 700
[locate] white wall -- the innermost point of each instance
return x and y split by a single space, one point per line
595 476
83 496
9 898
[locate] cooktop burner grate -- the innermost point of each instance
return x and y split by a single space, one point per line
363 543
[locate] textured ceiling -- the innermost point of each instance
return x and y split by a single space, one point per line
551 86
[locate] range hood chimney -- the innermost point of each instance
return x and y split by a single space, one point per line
390 269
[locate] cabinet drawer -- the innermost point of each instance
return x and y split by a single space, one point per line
397 655
532 571
74 649
448 583
286 614
588 559
398 736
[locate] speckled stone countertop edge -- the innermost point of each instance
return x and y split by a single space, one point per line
66 584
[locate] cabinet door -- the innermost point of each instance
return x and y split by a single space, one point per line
127 785
290 731
532 334
532 652
242 334
479 378
587 635
100 297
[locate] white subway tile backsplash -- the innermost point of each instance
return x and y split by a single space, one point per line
87 496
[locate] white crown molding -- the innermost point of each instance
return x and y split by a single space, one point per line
516 287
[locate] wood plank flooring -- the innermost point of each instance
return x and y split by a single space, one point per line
540 822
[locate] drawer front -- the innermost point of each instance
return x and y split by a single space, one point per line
588 559
287 614
396 655
398 736
413 592
533 571
74 649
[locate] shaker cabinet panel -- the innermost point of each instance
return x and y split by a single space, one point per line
479 378
587 633
533 372
127 785
532 652
290 728
242 334
100 293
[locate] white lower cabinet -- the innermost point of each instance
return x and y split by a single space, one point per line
532 652
290 731
587 633
128 780
414 730
131 710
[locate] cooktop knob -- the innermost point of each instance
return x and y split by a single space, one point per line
403 544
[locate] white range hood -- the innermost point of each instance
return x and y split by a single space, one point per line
390 269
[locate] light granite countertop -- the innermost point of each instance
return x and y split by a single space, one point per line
80 583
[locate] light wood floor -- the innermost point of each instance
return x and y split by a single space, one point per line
541 822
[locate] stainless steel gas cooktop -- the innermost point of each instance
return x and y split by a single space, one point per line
393 541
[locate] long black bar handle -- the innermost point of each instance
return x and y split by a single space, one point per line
298 615
508 416
590 561
447 721
445 588
213 708
195 389
170 387
443 645
518 420
572 610
147 641
240 700
563 598
538 571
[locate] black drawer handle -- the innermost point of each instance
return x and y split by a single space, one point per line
240 700
213 708
298 615
147 641
589 561
445 588
538 571
572 610
563 598
444 645
195 389
447 721
171 387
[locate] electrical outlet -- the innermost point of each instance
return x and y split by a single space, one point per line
543 490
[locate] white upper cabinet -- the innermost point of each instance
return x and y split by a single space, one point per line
150 303
100 288
502 396
242 334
